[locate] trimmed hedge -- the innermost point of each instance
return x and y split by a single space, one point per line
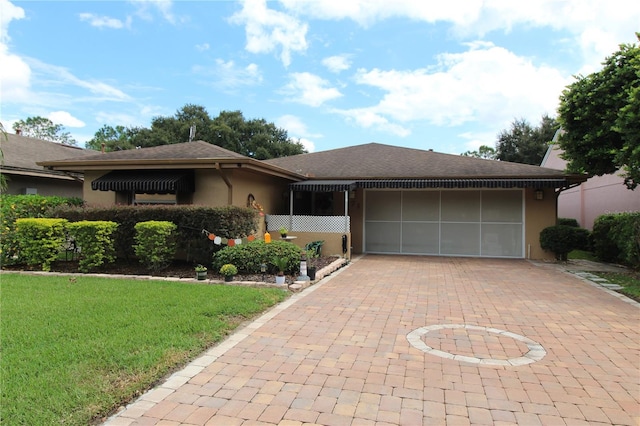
14 207
94 238
616 238
156 244
40 240
248 257
568 221
192 243
561 239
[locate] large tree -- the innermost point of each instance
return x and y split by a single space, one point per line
524 143
484 151
255 138
600 116
43 128
114 138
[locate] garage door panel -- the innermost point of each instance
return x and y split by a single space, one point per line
445 222
383 237
383 205
420 238
460 206
421 205
460 239
502 240
502 206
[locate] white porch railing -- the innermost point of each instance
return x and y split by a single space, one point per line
299 223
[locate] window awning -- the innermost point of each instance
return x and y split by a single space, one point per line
146 181
324 185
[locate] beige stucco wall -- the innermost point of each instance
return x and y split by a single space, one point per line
538 215
211 189
332 242
16 185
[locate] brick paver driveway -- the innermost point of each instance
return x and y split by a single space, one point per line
493 342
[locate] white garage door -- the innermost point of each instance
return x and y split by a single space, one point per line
445 222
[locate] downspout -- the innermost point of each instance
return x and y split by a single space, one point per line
228 183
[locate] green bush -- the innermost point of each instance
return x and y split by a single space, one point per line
40 240
192 244
248 257
94 238
155 243
14 207
568 221
616 238
559 239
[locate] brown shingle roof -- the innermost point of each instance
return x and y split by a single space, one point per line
21 153
179 151
379 161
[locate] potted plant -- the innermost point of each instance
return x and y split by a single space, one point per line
201 272
311 265
313 253
283 232
281 264
228 270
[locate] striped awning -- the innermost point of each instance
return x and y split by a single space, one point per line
343 185
324 185
146 181
464 183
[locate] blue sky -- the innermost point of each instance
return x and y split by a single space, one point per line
447 76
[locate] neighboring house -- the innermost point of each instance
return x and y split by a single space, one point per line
597 196
394 200
24 176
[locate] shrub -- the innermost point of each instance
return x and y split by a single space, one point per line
192 244
14 207
604 247
155 243
228 270
568 221
40 240
95 241
559 239
616 238
248 257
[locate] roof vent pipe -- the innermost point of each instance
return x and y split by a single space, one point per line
103 145
18 132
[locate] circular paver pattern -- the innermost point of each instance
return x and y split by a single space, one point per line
477 345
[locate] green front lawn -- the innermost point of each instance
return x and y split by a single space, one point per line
74 349
630 281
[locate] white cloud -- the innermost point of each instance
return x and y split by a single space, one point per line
596 27
62 75
268 29
227 75
9 13
15 73
297 131
202 47
484 84
104 21
309 89
370 118
15 76
66 119
145 9
337 63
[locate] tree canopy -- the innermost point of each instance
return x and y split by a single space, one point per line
524 143
255 138
43 128
484 151
600 116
